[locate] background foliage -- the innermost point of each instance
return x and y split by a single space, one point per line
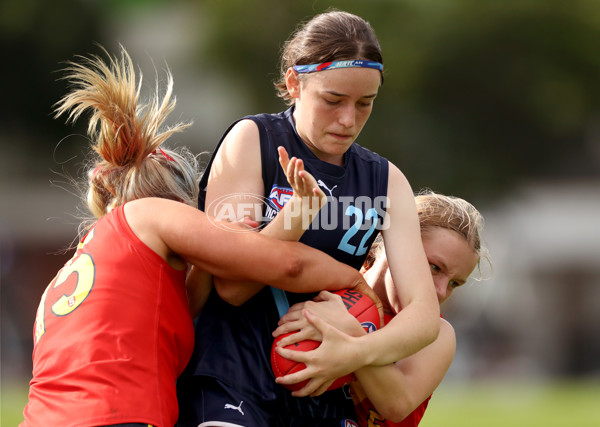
478 95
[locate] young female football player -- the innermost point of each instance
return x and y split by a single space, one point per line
331 71
396 394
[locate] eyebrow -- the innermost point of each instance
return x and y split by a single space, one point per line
344 95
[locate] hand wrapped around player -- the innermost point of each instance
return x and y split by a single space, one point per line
339 354
327 306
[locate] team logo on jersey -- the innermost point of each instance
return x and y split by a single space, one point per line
349 423
279 196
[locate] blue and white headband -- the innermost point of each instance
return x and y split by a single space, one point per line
352 63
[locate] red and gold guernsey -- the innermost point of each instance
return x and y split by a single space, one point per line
367 415
112 333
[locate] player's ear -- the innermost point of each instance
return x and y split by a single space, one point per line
292 82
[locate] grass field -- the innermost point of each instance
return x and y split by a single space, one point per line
506 404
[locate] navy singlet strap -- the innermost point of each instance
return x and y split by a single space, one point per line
281 301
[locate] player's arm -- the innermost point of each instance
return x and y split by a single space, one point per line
213 248
417 322
237 169
397 389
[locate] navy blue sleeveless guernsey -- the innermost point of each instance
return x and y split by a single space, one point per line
233 344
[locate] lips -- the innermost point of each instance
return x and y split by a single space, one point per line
340 135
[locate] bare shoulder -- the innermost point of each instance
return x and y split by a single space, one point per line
149 219
243 132
397 181
150 206
237 166
148 215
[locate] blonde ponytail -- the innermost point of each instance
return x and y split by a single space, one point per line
126 135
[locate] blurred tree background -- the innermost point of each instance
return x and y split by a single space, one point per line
478 95
481 99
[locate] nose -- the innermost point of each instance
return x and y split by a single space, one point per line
442 288
347 116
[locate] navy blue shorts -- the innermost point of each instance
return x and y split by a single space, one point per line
206 401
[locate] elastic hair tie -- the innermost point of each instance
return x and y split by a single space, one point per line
94 172
164 154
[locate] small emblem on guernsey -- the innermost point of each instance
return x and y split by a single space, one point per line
280 195
349 423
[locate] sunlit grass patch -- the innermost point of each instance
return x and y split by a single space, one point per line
515 404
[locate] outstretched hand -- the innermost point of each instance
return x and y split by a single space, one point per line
303 183
339 354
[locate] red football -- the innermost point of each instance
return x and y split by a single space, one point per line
360 306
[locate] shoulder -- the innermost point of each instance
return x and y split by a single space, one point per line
150 209
242 128
257 127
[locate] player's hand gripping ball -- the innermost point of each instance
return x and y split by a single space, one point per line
360 306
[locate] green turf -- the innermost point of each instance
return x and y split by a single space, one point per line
508 404
13 397
491 404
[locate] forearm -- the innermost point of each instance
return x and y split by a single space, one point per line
290 266
387 389
409 331
397 389
289 224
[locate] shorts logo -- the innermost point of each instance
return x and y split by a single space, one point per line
349 423
279 196
236 408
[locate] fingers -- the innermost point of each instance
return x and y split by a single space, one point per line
302 182
325 296
284 158
290 327
295 355
294 313
291 167
307 333
317 322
